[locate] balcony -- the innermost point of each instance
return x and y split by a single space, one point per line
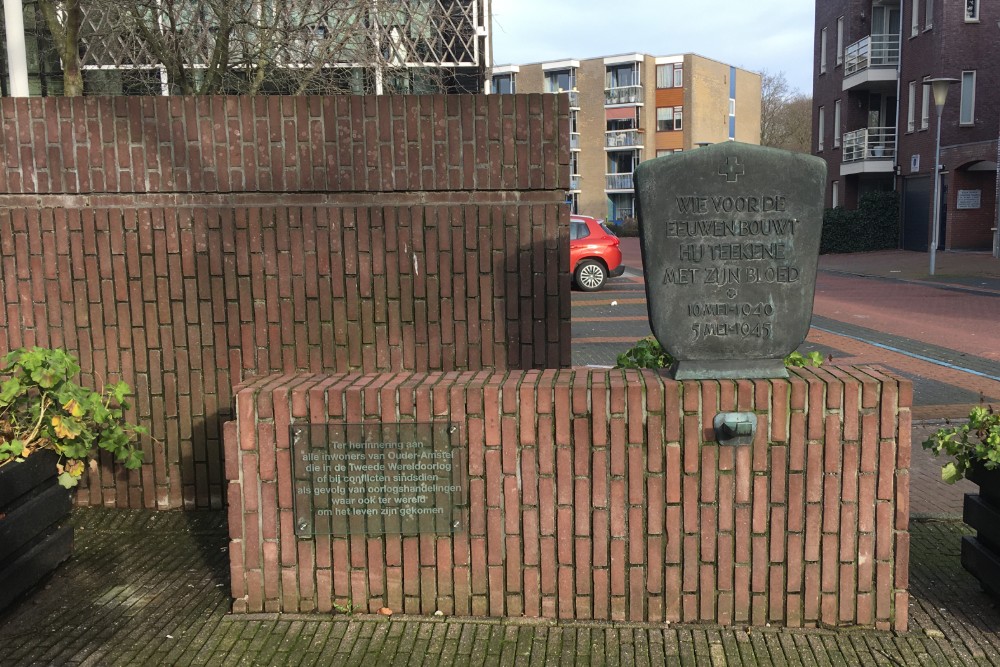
574 99
574 141
574 181
623 95
615 139
871 60
618 182
870 150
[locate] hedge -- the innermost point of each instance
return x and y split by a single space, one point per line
873 226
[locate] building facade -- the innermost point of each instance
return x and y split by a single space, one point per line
628 108
875 123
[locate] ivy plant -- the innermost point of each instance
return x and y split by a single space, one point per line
41 407
648 353
976 443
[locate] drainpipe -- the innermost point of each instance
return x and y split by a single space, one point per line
897 170
17 60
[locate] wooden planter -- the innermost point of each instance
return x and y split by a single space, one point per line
981 554
34 535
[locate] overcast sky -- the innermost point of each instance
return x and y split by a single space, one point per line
772 35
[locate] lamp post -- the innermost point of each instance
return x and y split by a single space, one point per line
939 88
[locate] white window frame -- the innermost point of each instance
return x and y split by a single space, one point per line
840 41
822 51
836 124
834 194
967 113
821 129
925 107
915 18
675 118
911 108
732 107
928 14
972 11
673 75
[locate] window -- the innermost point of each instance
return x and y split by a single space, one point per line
840 41
914 19
834 194
660 152
836 124
925 107
669 119
928 14
559 81
503 84
822 129
967 110
732 107
972 11
911 108
578 230
619 76
822 51
669 76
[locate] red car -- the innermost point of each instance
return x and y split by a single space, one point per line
593 253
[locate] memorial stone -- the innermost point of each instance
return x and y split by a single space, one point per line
730 241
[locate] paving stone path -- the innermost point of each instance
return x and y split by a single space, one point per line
148 588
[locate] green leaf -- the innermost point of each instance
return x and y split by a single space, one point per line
950 473
67 481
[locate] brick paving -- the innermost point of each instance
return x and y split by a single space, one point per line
147 588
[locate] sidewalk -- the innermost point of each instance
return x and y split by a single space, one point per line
149 588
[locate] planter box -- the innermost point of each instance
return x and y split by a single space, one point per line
34 539
981 554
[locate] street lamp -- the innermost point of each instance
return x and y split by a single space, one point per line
939 88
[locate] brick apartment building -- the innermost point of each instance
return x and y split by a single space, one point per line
628 108
875 123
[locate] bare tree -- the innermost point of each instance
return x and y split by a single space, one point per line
785 114
200 47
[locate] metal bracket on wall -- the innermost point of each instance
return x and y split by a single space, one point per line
735 428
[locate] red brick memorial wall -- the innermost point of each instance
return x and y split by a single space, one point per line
599 494
187 244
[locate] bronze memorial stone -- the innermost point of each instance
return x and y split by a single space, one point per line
730 239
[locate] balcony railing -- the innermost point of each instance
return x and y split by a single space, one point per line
623 95
574 141
574 181
870 143
574 99
622 213
618 181
871 51
623 139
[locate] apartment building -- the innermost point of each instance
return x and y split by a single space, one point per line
628 108
875 123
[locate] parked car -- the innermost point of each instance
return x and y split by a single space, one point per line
594 255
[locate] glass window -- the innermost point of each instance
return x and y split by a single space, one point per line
503 84
925 107
559 81
835 194
822 128
914 19
911 108
836 124
971 10
669 118
840 41
669 76
928 14
822 51
732 107
619 76
967 111
578 230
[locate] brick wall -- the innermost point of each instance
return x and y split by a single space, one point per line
187 244
601 494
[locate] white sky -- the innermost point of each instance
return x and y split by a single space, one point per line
776 35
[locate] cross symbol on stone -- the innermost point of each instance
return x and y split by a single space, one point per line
732 170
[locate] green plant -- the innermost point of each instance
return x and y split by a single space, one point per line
42 408
972 444
648 353
346 609
874 225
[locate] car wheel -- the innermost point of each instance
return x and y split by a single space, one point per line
590 275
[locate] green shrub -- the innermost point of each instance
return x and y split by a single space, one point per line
648 353
626 228
42 408
975 443
873 226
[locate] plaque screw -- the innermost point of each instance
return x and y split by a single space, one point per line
452 429
456 524
303 525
